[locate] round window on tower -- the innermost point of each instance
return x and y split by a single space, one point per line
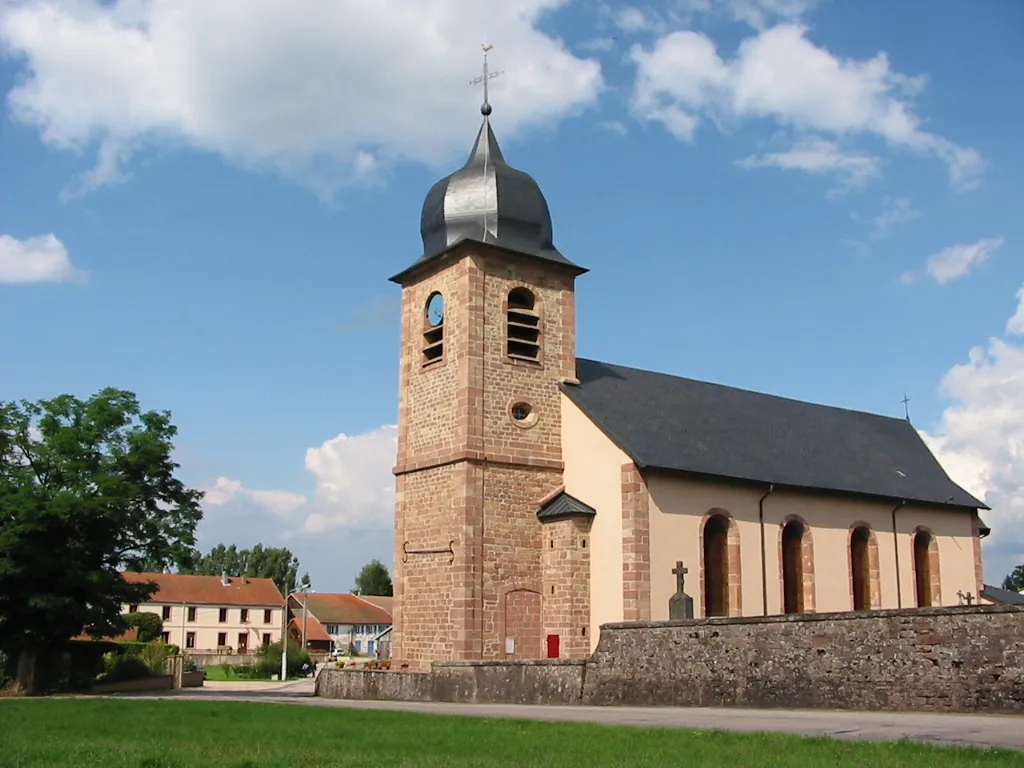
522 414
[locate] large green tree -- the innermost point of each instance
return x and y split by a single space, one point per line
87 488
1015 579
374 579
277 563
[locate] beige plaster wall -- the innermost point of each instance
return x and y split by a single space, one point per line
679 505
208 626
593 471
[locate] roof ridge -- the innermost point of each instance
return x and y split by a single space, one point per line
760 393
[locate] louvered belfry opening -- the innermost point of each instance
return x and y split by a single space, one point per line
523 325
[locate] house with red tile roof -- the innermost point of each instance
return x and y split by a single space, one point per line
346 620
208 614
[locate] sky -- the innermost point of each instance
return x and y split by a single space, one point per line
201 202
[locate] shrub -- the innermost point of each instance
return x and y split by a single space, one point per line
124 668
268 660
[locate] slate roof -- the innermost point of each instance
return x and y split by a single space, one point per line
1004 596
679 424
563 505
208 590
340 608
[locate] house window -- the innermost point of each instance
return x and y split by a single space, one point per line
266 638
433 334
133 608
223 615
268 615
245 615
165 637
358 645
190 640
222 639
523 327
165 612
192 613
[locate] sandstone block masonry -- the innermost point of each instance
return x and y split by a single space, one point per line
947 659
479 448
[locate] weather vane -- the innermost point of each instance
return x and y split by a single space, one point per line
485 108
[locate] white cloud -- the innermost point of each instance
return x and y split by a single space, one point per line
42 259
597 44
1015 325
818 156
632 19
956 261
683 14
224 491
354 481
980 439
898 211
355 487
326 91
759 13
779 74
615 126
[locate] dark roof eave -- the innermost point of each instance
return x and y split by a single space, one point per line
564 515
424 262
808 488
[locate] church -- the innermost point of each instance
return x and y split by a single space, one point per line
540 495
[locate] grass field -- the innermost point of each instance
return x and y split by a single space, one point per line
221 672
90 733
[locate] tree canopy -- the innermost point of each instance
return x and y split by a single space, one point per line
277 563
87 488
1014 580
374 579
148 626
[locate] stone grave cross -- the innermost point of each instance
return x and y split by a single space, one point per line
680 605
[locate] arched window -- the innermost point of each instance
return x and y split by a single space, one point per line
860 567
716 566
926 569
433 335
523 330
797 566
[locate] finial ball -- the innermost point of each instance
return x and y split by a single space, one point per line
485 109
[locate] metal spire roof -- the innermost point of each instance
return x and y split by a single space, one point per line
487 201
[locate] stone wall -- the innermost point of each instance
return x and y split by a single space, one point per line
474 682
931 659
948 659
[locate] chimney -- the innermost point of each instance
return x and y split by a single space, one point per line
224 578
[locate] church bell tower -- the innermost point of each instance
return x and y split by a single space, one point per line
488 333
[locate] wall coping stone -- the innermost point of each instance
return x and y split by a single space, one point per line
945 610
512 663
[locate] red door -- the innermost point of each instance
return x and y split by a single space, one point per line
552 646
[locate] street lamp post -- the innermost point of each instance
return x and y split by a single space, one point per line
284 633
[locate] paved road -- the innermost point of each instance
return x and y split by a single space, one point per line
974 730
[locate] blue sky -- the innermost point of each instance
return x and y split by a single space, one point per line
203 204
